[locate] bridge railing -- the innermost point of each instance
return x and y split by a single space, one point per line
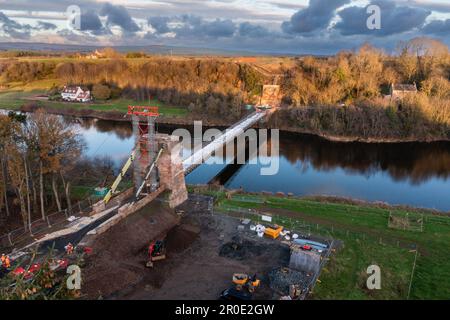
192 161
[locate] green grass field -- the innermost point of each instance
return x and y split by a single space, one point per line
366 240
13 99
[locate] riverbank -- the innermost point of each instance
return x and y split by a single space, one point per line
178 116
389 237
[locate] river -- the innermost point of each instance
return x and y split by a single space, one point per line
415 174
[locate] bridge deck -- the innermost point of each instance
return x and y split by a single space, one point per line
199 156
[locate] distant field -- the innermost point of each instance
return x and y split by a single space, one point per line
20 94
15 99
367 240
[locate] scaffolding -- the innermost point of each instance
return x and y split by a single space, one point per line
146 146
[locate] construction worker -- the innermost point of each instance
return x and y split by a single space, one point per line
69 248
6 262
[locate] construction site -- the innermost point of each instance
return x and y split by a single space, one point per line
203 250
155 241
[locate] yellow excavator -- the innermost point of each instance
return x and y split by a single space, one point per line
243 288
242 280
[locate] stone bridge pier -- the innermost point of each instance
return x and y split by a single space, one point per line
170 168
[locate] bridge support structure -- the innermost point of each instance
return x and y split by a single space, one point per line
145 149
170 168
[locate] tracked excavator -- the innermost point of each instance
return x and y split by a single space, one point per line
156 252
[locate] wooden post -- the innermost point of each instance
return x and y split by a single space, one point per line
9 239
412 274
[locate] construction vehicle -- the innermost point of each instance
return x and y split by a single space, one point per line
156 252
233 294
273 231
242 280
243 289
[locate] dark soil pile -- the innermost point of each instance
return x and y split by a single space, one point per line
241 249
119 255
244 248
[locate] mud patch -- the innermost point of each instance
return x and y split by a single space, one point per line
119 255
241 249
180 238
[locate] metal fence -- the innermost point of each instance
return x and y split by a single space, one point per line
241 214
334 234
307 228
37 228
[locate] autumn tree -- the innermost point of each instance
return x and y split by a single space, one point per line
57 146
101 92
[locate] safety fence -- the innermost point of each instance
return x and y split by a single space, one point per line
308 228
335 236
39 227
241 214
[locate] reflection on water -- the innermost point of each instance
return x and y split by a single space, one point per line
409 173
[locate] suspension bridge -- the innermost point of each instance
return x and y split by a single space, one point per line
157 167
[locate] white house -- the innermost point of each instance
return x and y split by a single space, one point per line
96 55
399 91
75 94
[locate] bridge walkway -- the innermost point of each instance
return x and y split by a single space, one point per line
199 156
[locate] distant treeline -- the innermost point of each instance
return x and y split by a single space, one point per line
343 94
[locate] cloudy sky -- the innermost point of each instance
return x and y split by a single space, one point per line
281 26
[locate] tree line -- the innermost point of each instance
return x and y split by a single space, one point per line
348 94
37 153
325 94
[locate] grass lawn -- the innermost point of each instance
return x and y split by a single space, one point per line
121 105
13 99
19 93
367 240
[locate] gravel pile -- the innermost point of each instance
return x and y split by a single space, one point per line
282 278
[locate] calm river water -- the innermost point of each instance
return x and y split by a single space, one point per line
416 174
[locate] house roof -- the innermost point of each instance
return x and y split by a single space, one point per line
73 89
404 87
83 95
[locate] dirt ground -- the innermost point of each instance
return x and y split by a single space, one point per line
119 254
203 252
